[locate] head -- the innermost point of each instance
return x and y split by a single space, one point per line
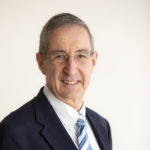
57 21
67 58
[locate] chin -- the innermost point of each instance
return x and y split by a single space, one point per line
72 96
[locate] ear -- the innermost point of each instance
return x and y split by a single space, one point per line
94 59
40 61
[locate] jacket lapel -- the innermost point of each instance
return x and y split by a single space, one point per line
53 130
97 128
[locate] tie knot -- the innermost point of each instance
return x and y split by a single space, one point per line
82 135
81 120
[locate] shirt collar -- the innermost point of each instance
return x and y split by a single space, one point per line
66 113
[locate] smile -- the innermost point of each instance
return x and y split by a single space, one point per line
70 82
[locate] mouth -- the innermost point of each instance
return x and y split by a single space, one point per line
70 82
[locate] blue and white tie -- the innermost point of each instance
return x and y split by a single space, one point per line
83 139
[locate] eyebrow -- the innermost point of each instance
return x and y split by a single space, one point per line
86 51
57 51
83 50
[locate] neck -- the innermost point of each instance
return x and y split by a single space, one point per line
76 104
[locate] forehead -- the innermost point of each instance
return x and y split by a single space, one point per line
69 38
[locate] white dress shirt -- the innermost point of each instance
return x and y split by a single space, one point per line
68 116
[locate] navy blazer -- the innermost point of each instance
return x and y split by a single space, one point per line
36 126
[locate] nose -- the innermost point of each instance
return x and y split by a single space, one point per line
71 66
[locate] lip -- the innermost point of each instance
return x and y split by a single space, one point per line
70 82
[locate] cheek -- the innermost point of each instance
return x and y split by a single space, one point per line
50 74
53 73
86 72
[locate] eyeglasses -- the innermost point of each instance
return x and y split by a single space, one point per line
61 57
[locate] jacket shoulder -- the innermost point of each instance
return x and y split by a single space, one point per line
20 116
24 114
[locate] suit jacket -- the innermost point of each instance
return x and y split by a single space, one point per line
36 126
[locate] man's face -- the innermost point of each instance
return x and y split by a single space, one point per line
68 79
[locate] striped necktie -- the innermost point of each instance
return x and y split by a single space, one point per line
83 139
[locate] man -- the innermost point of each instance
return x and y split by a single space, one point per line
57 119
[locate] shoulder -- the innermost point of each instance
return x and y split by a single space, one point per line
19 116
24 114
17 123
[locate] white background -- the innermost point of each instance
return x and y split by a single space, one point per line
120 85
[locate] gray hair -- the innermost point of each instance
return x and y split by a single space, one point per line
59 21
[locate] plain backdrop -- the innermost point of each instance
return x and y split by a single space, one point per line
120 85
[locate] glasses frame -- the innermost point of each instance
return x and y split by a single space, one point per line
67 57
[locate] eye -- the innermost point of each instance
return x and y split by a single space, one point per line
60 58
81 56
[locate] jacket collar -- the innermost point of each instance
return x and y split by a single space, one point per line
100 128
53 130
